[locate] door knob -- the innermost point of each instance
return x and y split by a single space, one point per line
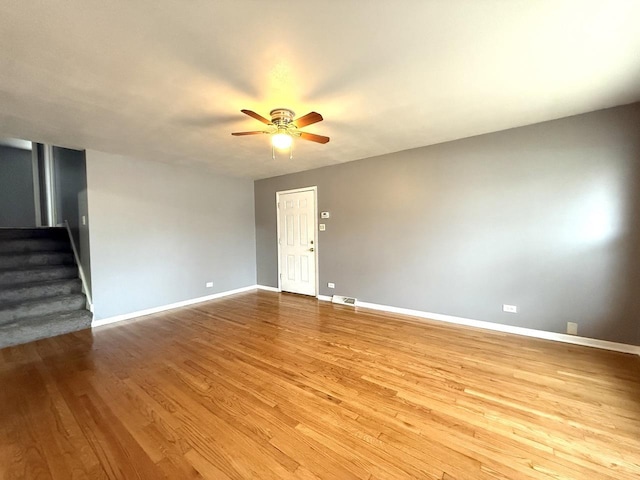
311 249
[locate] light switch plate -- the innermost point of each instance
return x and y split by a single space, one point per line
324 214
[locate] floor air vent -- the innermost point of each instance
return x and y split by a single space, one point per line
344 300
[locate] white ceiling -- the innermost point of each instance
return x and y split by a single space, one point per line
166 79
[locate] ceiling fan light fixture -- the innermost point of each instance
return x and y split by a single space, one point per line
283 127
281 140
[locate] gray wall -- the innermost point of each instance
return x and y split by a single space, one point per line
71 200
544 217
71 179
159 232
17 207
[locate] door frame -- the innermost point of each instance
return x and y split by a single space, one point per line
314 189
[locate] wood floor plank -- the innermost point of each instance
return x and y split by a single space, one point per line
278 386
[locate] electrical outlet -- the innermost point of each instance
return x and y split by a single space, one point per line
84 220
509 308
572 328
331 285
209 284
323 227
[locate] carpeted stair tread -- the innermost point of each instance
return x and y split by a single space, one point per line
10 312
25 245
40 292
39 232
32 291
16 276
24 260
28 330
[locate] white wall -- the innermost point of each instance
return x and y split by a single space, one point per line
159 232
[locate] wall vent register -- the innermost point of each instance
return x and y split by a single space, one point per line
344 300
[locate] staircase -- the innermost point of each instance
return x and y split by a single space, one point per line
40 292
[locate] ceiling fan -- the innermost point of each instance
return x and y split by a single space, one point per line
284 126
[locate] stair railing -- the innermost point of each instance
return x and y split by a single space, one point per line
83 278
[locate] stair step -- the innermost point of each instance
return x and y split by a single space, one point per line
32 291
25 245
40 292
28 330
21 260
11 312
14 277
41 232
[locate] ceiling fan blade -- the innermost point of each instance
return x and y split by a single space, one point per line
256 116
238 134
308 119
314 138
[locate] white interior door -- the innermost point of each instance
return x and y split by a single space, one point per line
297 242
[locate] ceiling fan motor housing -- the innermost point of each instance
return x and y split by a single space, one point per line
281 117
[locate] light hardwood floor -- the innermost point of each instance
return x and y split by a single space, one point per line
263 385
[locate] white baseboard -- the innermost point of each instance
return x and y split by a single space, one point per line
162 308
528 332
324 298
268 289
